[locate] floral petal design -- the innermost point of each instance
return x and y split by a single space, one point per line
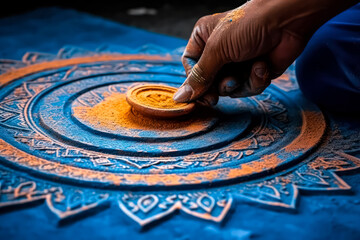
147 208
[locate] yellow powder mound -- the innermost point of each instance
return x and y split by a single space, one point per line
156 99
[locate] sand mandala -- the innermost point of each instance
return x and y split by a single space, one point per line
70 138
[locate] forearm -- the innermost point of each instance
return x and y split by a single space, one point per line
301 17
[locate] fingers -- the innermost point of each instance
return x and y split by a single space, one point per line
246 79
277 61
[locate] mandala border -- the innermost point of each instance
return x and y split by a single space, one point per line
312 131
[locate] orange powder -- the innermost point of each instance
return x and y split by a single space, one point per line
114 112
163 99
234 15
313 129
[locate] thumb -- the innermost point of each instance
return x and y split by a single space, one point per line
201 75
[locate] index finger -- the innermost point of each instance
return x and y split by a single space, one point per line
197 41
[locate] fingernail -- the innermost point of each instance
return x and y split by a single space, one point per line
230 85
183 94
260 72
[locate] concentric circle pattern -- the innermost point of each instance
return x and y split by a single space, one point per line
72 121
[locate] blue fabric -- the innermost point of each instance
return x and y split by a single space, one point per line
328 71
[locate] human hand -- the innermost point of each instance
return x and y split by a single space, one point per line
237 53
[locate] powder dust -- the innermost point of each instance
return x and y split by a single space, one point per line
115 113
234 15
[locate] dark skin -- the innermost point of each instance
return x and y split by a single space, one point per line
237 53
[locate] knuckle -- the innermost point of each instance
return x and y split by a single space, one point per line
203 20
183 59
212 43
